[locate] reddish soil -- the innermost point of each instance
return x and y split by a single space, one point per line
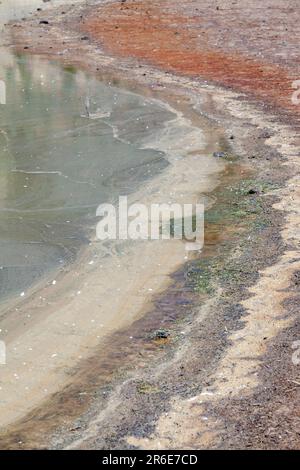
225 42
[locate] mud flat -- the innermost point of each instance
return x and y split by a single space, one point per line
223 376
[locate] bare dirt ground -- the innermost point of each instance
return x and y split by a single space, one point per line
224 377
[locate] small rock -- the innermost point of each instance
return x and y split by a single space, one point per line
160 334
44 22
75 429
265 135
252 191
219 154
84 38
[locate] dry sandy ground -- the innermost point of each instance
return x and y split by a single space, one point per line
225 377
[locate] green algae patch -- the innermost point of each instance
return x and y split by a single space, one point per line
240 213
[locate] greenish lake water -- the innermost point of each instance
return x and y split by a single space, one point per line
67 143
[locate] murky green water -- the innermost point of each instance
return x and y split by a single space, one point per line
67 143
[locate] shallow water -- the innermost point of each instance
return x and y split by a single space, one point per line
67 143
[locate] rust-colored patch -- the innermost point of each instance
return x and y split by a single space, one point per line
184 43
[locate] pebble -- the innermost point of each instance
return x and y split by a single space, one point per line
219 154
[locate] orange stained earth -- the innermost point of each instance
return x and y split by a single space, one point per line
219 44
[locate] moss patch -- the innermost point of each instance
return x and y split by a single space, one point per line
241 210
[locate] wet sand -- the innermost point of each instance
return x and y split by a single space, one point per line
231 375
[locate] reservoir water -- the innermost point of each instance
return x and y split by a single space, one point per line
67 143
